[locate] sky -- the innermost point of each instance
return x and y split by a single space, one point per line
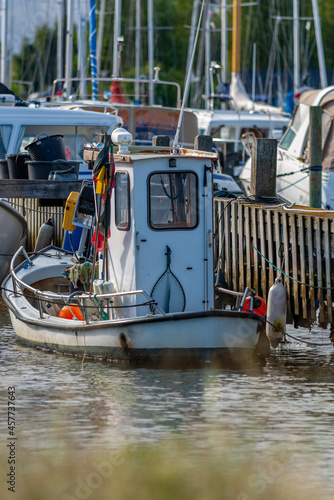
26 15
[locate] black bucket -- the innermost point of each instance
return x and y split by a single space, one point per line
42 169
17 167
4 169
47 148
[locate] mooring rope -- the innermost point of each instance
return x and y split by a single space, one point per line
264 320
291 277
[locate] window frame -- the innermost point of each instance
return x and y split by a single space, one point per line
128 200
166 228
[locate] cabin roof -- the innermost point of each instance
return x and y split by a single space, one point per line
152 152
55 116
327 102
217 118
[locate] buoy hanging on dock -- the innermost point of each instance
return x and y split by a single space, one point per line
45 235
276 313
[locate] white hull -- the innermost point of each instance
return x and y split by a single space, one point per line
201 335
196 336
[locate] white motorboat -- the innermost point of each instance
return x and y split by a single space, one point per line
19 125
233 130
292 182
154 298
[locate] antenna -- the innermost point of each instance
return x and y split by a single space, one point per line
186 89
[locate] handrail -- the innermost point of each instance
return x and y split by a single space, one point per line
119 79
44 295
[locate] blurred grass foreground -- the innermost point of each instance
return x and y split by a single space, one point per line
168 470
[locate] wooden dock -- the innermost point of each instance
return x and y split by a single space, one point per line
257 243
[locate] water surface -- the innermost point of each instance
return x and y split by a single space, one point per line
285 403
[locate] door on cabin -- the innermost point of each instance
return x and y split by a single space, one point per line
174 258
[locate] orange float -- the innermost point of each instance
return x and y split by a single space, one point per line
259 306
72 311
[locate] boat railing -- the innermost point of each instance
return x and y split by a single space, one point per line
154 81
84 298
240 297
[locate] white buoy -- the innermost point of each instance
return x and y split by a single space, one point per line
276 313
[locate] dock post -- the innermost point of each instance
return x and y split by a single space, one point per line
315 156
263 168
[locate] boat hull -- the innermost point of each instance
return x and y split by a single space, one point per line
195 337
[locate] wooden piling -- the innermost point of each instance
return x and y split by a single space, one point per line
263 168
315 156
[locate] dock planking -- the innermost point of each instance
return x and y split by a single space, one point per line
298 243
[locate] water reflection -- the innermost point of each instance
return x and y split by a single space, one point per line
288 401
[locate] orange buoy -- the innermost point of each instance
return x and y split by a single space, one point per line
71 312
259 306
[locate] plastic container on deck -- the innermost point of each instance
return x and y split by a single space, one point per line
4 169
42 169
17 168
47 148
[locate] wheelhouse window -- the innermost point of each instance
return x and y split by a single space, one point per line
122 201
5 133
173 200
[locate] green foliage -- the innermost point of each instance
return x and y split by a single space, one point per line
37 59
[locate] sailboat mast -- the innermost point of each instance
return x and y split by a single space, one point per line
321 58
82 50
4 8
150 50
60 44
236 36
69 47
296 61
100 35
92 44
192 34
223 41
207 57
117 34
138 43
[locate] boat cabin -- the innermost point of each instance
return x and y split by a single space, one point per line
161 227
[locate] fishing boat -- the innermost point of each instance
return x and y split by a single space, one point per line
146 290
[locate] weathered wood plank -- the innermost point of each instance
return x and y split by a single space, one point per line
23 188
234 231
278 232
270 239
293 242
248 244
326 228
241 247
255 254
302 257
263 250
286 245
319 269
227 237
311 267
